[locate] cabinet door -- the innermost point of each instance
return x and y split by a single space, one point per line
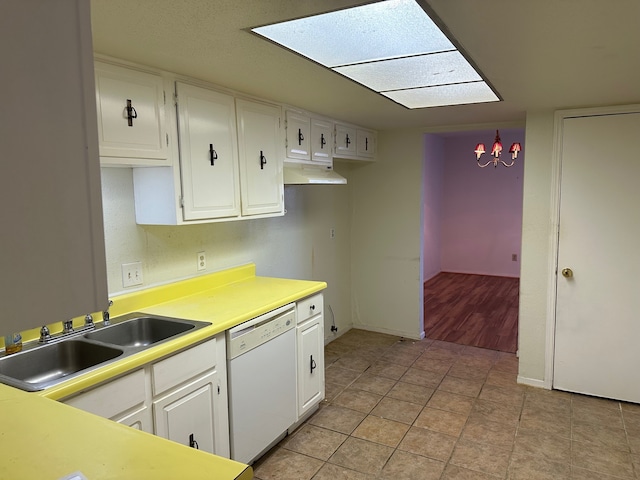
366 143
321 140
261 157
187 415
208 153
130 115
298 136
310 364
53 237
345 140
140 419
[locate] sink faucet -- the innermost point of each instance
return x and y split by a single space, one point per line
105 314
45 335
88 320
67 326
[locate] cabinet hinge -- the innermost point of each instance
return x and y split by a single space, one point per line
164 97
167 139
175 99
181 202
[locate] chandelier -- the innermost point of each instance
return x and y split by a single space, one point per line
496 150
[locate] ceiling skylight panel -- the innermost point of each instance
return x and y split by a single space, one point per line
457 94
411 72
382 30
392 47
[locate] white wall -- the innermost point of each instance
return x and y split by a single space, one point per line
386 232
537 239
294 246
481 207
432 205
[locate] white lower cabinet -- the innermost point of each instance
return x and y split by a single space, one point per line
310 344
122 400
182 398
139 419
187 415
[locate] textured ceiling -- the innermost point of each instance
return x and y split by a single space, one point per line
543 54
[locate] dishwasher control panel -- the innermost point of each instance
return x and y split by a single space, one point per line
255 332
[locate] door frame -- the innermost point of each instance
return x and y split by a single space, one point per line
556 183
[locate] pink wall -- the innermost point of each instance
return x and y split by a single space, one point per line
432 205
481 207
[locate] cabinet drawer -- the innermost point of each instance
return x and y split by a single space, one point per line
310 306
114 397
183 366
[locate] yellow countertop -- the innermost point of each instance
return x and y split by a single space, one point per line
44 439
225 299
41 438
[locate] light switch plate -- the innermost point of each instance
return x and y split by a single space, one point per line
131 274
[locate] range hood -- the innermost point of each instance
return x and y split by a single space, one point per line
311 175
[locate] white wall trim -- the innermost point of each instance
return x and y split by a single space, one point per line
556 172
534 382
388 331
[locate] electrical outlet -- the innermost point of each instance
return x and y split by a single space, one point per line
131 274
332 233
202 261
514 257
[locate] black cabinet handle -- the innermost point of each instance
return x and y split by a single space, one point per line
193 443
263 160
312 363
213 155
312 307
323 141
366 144
131 113
300 136
347 141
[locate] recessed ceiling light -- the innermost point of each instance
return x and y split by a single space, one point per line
392 47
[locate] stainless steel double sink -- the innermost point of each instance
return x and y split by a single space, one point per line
42 366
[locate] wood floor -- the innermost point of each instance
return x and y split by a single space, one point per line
475 310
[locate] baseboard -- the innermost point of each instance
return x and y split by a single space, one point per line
389 331
534 382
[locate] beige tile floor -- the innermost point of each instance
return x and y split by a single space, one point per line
399 409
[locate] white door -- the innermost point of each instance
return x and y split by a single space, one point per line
321 140
208 153
261 156
298 136
130 113
598 308
345 140
187 415
310 365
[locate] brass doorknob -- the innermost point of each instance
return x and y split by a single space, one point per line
567 272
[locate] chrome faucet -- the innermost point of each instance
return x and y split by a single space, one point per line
67 326
105 314
45 335
88 320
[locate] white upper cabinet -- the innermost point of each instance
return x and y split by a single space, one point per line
345 141
228 165
321 141
309 139
208 153
366 143
298 135
355 143
52 255
261 155
131 116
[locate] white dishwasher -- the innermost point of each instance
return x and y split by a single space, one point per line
261 369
